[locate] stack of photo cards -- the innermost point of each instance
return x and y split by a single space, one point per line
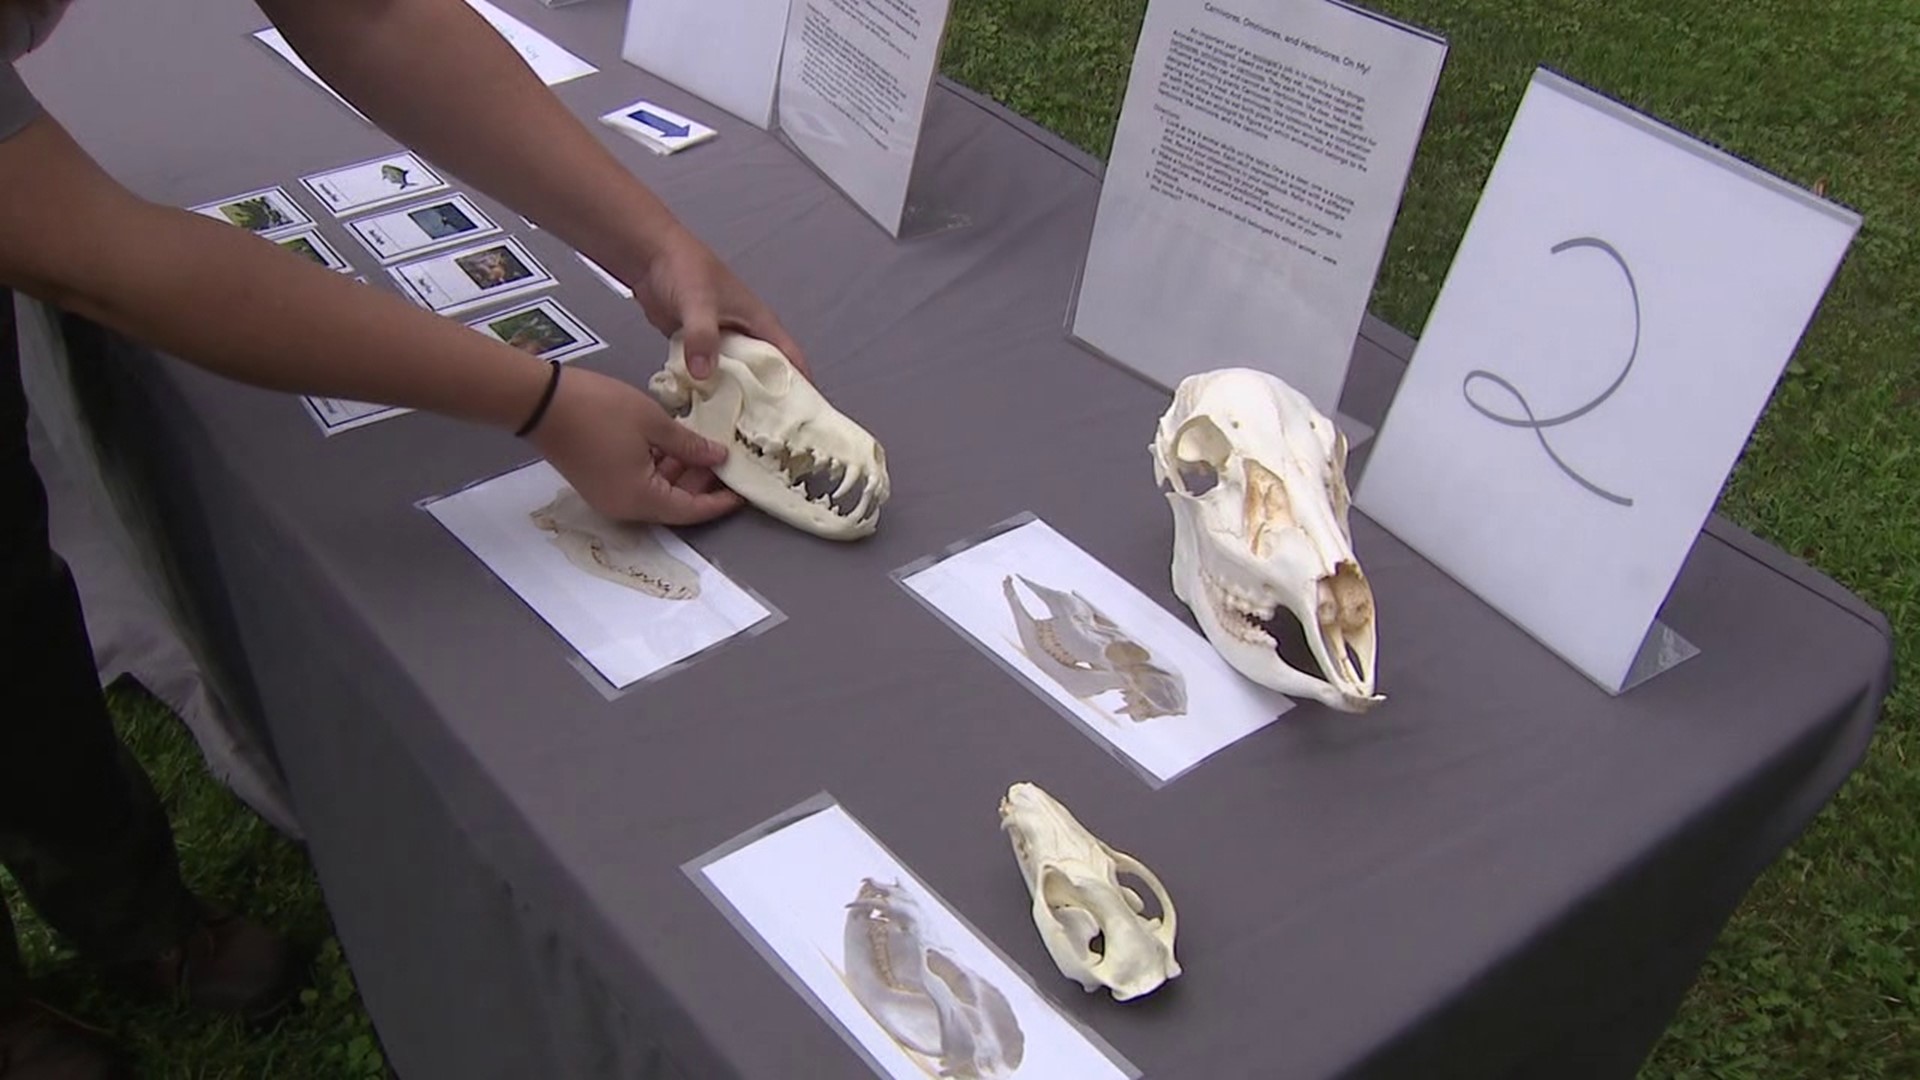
365 185
542 328
1123 668
658 129
395 234
631 599
471 276
272 214
839 916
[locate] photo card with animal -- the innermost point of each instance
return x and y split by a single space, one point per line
471 276
367 184
542 328
913 987
410 230
1128 672
310 245
268 212
632 599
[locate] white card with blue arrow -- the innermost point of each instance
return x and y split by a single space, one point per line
661 130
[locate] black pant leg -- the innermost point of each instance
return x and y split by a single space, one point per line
81 828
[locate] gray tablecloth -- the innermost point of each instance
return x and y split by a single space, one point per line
1502 872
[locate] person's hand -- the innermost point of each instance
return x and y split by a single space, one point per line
687 289
626 456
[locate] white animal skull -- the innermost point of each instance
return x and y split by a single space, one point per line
792 454
621 552
1077 897
929 1003
1256 479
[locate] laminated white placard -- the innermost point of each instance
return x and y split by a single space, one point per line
727 54
1256 172
1620 308
855 76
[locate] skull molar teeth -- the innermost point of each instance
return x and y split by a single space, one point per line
1256 479
795 456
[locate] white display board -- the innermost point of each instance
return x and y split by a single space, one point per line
727 54
1618 313
855 76
1256 172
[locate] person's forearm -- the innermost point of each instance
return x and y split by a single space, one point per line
438 78
226 300
241 307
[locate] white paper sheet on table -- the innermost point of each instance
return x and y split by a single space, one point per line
792 888
626 635
1221 706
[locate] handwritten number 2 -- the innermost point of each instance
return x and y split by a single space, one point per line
1538 426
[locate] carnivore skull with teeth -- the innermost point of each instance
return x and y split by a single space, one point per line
1078 898
1256 479
791 453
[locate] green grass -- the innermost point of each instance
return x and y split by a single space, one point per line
229 854
1818 974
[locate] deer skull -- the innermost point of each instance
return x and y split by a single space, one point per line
791 453
1077 897
1256 479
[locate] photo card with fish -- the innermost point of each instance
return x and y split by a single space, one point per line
913 987
409 230
472 276
1128 672
362 186
268 212
632 599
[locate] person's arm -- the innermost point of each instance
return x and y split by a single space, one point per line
435 76
224 299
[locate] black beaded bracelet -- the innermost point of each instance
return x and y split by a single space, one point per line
540 410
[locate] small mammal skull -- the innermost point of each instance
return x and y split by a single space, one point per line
791 454
1077 896
623 553
928 1002
1256 477
1089 655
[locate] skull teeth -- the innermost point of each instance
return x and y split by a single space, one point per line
820 478
1240 613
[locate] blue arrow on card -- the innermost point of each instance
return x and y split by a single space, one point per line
661 124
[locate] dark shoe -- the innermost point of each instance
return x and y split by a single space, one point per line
37 1043
229 963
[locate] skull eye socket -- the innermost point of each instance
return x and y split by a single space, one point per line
1200 451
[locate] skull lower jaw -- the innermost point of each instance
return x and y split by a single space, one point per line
1238 624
